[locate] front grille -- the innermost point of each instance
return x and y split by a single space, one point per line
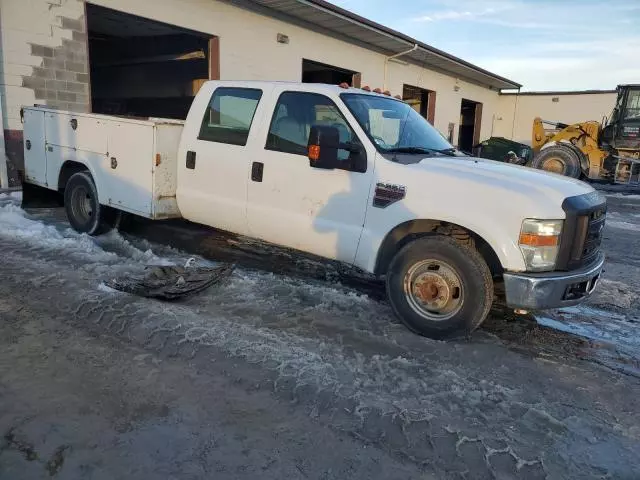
594 236
582 235
588 237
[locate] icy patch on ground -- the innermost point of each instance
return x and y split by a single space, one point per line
104 288
611 292
15 196
109 249
622 225
622 195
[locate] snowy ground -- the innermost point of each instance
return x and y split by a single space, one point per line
551 396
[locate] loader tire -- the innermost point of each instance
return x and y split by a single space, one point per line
558 159
84 212
439 287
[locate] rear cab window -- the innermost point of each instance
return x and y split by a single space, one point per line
229 115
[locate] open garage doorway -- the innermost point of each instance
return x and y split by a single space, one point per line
314 72
421 100
470 122
144 68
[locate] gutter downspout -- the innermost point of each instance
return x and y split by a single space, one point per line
386 62
515 112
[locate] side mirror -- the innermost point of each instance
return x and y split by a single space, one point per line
322 148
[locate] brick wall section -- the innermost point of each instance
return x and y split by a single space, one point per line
44 60
62 81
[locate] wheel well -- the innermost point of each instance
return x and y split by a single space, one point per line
68 169
406 232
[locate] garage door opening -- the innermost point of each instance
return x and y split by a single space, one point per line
144 68
421 100
470 122
314 72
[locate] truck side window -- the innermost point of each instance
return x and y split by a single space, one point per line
293 117
228 117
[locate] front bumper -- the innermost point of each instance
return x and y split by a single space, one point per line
539 291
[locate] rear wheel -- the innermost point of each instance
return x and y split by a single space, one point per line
84 212
558 159
439 287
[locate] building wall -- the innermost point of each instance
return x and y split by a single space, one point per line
45 56
515 113
252 52
43 60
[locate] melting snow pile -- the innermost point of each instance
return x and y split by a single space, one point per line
111 249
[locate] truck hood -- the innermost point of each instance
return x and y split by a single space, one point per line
524 180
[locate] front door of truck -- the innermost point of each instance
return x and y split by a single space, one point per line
293 204
215 160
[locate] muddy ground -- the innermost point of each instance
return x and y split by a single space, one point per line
295 368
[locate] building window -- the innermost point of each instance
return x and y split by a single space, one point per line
229 115
293 117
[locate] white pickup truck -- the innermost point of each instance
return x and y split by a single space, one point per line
342 173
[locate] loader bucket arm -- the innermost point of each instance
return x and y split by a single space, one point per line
538 135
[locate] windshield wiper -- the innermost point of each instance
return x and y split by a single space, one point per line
410 150
422 150
448 151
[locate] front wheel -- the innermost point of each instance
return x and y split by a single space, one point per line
439 287
84 212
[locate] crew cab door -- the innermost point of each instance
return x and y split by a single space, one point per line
215 155
293 204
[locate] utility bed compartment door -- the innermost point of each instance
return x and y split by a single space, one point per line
127 175
35 164
76 131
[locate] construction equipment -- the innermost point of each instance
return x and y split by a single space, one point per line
607 151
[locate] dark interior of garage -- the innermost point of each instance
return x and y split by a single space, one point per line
314 72
469 130
418 98
143 68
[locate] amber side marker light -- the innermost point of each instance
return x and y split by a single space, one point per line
314 152
533 240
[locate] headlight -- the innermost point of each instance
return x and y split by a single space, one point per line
539 243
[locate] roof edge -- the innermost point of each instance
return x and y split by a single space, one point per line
558 92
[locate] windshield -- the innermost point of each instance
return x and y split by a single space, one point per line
393 125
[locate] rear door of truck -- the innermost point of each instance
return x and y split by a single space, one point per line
216 154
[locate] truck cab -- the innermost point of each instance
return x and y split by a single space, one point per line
361 178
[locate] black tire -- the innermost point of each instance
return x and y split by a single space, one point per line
84 212
453 259
558 159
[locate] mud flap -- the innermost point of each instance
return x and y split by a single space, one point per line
34 196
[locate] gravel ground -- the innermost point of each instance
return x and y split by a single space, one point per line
296 368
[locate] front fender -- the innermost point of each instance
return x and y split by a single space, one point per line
500 236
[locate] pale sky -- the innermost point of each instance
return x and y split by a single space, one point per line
542 44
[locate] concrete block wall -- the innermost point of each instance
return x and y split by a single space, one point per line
43 60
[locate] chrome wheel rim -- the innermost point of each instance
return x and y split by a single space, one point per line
433 289
81 204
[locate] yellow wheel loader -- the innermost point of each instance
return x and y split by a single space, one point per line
607 152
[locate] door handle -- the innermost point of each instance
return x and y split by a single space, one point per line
256 171
191 160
